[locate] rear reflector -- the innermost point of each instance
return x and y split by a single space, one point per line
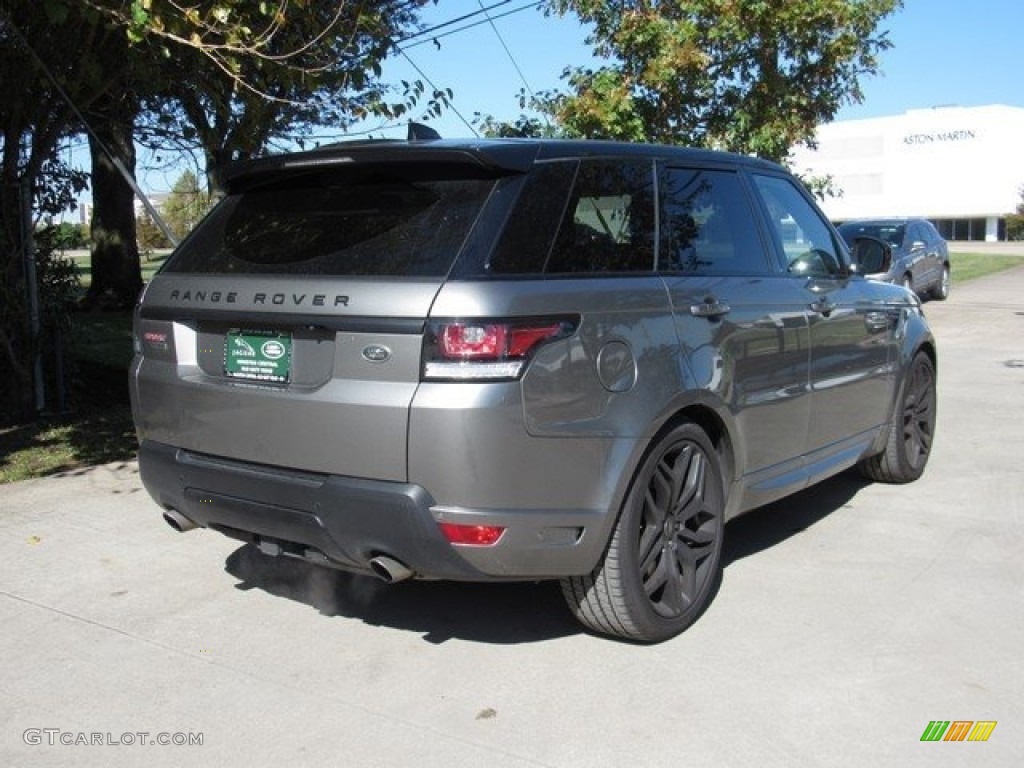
475 535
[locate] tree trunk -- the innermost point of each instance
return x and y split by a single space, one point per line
116 271
15 346
218 161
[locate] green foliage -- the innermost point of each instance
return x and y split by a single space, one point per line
149 234
750 77
67 236
239 75
186 205
58 280
1015 221
225 78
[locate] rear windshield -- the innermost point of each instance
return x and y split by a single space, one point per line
350 227
890 233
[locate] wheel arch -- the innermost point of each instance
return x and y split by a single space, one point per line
917 338
714 426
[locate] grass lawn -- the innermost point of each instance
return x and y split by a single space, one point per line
98 427
967 266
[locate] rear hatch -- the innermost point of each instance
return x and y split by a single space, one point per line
287 329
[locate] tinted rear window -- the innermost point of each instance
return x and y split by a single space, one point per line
380 227
890 233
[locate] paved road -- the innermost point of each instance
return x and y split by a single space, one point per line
850 617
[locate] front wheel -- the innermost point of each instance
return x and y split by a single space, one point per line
911 431
664 562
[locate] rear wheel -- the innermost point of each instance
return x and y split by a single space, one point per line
941 291
912 430
664 563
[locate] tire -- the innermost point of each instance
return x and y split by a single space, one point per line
912 429
941 290
663 565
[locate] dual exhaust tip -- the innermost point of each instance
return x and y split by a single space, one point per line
385 568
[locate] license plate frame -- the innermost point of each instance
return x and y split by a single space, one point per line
258 355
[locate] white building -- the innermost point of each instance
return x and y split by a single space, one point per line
960 167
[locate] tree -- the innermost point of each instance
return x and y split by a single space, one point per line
226 76
149 234
1015 221
240 74
68 236
34 119
116 269
750 77
186 205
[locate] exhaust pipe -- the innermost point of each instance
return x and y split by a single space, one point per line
178 521
390 570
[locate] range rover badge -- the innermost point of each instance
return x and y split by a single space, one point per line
375 353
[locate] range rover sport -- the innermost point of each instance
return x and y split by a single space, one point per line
520 360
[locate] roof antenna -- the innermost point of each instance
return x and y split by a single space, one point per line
421 132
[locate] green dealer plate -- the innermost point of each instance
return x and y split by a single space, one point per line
258 355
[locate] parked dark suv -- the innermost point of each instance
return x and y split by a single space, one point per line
920 256
520 360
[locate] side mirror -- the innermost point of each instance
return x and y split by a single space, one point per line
871 256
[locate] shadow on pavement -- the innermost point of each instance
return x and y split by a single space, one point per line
772 524
501 613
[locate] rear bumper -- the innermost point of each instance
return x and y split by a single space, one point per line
344 522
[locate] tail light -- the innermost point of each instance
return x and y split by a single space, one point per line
467 350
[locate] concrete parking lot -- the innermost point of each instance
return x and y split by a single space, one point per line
850 617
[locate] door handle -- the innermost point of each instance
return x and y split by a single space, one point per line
711 308
877 322
823 306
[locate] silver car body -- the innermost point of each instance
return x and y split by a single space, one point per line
368 441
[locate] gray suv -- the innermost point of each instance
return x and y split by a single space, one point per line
521 360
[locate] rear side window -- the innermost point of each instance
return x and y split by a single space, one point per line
382 227
589 216
708 225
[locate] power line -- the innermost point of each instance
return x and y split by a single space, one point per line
511 58
532 4
436 89
488 19
443 24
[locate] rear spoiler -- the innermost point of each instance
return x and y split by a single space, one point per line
475 159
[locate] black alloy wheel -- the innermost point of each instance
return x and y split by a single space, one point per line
663 565
913 429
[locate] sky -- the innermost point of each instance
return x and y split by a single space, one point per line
945 52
